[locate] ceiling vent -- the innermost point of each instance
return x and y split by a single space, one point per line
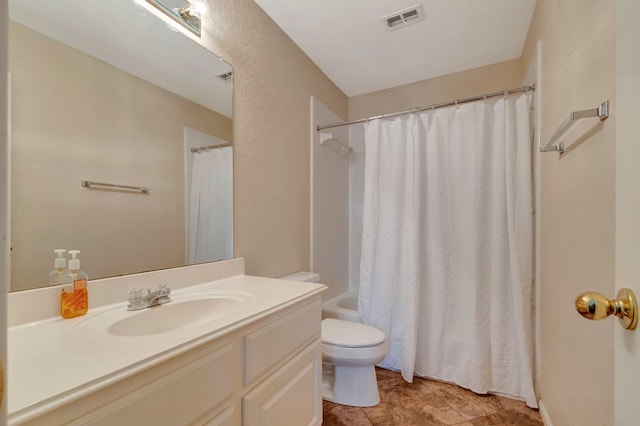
404 17
226 76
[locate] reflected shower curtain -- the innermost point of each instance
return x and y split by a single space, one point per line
446 265
211 210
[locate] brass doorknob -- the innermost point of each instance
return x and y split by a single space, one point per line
595 306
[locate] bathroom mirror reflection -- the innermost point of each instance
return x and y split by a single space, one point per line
105 91
187 13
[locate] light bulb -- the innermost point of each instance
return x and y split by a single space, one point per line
199 7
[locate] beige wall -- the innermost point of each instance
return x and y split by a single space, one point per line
577 207
474 82
273 80
66 128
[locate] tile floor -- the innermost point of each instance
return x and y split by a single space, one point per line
430 403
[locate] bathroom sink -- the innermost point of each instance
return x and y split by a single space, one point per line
174 316
182 312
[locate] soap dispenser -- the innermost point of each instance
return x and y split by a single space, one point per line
59 275
74 300
74 266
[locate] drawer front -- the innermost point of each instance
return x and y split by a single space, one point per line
272 344
180 397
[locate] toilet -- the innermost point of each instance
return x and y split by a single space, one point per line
350 351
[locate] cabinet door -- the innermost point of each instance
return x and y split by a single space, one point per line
292 333
178 397
229 416
289 397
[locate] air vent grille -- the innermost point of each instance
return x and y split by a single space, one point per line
226 76
404 17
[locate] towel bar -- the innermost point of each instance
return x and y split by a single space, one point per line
602 112
89 184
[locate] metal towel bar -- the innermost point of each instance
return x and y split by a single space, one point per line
207 148
141 189
602 112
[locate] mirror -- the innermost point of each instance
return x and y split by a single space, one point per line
107 92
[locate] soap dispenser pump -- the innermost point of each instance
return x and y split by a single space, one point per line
59 275
74 266
74 300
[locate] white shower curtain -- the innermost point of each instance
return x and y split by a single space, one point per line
446 266
211 206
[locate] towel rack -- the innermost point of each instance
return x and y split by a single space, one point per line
207 148
324 137
602 112
141 189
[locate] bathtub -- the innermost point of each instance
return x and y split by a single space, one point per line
344 306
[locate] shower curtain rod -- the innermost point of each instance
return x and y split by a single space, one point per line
434 106
206 148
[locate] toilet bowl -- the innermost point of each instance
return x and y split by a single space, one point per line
350 351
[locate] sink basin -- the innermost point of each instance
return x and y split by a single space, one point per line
174 316
182 312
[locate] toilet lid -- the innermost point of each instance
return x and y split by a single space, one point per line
350 334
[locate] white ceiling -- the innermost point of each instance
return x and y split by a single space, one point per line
351 44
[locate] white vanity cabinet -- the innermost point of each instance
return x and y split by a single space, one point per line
277 393
266 371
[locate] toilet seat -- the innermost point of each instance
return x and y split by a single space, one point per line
350 334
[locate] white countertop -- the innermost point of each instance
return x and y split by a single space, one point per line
54 361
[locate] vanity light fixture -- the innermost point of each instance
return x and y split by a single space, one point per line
188 13
192 13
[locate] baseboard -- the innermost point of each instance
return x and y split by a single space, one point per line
543 413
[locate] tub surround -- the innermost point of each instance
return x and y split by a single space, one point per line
343 307
69 359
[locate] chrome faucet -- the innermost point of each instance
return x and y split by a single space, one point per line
153 297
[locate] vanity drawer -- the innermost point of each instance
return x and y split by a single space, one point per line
179 397
193 388
273 343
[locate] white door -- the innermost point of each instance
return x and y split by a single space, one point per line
627 110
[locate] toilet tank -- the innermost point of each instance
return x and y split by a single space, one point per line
310 277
